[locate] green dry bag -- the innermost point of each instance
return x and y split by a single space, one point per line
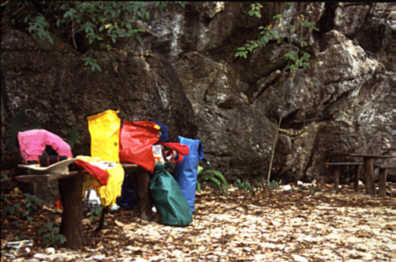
168 198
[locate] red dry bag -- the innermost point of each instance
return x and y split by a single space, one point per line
136 143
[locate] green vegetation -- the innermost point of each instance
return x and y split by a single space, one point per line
296 35
4 178
29 207
95 212
213 176
254 188
274 183
245 185
98 24
50 234
32 205
313 190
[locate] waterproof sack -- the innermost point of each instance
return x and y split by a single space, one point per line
128 199
33 143
168 199
49 157
174 152
98 173
164 131
47 160
187 170
104 129
136 142
108 193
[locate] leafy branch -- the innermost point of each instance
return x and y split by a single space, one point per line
98 24
296 37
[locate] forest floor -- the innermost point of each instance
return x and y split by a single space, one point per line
286 223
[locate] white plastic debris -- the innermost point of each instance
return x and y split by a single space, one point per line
40 256
19 244
93 198
115 207
286 188
27 250
299 258
158 156
50 250
140 259
99 257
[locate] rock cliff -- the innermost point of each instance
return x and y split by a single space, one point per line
184 73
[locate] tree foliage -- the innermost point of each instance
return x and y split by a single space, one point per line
296 37
86 24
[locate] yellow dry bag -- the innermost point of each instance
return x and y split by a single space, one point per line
104 129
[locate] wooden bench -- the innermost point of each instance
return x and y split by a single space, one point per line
70 188
383 176
368 165
337 172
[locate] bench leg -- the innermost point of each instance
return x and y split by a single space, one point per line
143 194
70 189
369 172
337 179
382 182
357 176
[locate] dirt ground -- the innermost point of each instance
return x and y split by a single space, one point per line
286 223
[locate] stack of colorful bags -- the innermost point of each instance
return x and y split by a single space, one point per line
144 143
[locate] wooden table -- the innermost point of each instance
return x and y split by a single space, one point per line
70 188
337 172
382 176
368 164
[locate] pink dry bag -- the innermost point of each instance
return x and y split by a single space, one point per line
32 144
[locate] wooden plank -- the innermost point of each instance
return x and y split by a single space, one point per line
55 171
370 156
45 177
127 165
60 167
386 166
362 155
343 163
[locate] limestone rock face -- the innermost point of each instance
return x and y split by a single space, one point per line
230 127
185 74
56 92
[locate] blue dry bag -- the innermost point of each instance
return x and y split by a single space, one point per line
164 131
128 199
186 171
